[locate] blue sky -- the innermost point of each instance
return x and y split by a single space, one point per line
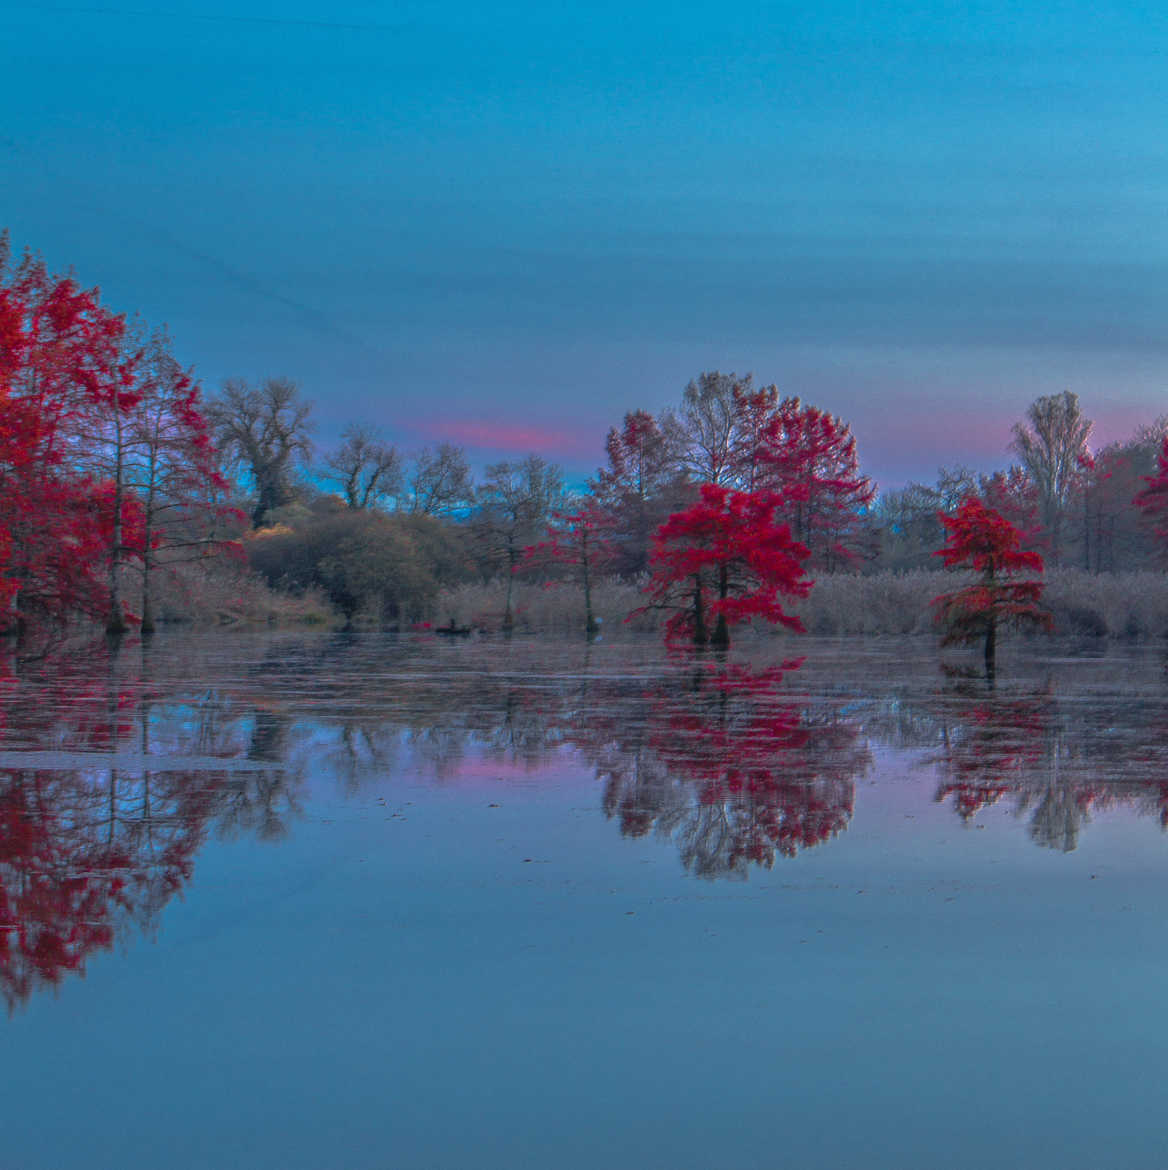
510 223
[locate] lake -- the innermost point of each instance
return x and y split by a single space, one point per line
330 901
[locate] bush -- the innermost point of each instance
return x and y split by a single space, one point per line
382 568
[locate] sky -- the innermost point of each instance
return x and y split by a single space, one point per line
507 224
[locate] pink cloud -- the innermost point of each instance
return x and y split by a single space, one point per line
514 437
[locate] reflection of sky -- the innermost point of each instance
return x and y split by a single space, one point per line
511 223
520 986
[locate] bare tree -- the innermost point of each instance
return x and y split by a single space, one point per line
366 469
702 433
515 502
1053 447
172 470
265 430
439 482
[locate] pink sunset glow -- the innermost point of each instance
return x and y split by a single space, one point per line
516 438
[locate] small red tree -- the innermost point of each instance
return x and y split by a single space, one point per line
810 455
581 542
985 541
638 489
726 560
166 460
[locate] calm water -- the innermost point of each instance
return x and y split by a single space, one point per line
333 902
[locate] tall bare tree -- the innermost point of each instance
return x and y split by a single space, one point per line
515 502
1052 445
702 433
366 469
264 430
439 481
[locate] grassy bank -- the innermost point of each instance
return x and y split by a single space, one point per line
227 593
1119 605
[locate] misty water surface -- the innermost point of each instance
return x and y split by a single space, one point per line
334 901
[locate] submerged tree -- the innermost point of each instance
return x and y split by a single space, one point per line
65 525
515 502
985 541
580 541
724 561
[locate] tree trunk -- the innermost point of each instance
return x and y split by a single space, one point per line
721 636
590 626
991 646
147 584
701 635
117 618
508 616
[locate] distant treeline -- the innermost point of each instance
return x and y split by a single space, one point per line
127 495
399 530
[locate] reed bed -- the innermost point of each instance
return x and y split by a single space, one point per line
1114 605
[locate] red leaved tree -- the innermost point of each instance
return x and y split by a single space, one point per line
732 434
983 540
165 458
723 561
810 456
580 542
62 531
638 489
105 459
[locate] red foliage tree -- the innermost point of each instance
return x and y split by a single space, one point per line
983 540
810 457
582 543
101 438
165 458
64 364
726 560
638 489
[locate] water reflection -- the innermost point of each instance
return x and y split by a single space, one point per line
727 766
117 768
101 831
1056 762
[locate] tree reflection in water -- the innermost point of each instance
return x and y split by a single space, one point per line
729 767
1046 757
94 844
117 769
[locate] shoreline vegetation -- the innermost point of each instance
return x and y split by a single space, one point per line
1132 606
129 498
1120 606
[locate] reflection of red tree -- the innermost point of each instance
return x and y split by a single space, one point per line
54 913
1027 749
94 845
729 769
986 754
80 853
